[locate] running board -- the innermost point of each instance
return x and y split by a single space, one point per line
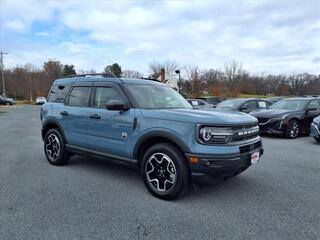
85 151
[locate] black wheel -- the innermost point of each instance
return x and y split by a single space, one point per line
165 172
54 148
293 129
317 139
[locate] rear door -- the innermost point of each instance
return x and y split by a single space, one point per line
109 132
74 114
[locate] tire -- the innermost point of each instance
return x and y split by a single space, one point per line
54 148
293 129
317 139
165 171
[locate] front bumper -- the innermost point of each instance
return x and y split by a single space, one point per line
222 166
315 131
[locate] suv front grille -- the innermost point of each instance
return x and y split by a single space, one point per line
245 132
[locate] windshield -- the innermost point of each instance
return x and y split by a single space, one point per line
291 104
150 96
231 104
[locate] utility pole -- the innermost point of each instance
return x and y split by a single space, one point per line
2 73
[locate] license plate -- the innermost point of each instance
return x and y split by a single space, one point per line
255 157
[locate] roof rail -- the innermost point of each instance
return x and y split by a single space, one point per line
152 79
104 75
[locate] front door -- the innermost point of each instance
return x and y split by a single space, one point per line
109 131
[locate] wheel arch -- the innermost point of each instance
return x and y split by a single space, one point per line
50 124
155 137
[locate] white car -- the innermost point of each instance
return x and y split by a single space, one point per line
41 100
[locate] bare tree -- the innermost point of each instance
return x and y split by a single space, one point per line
233 74
169 67
131 74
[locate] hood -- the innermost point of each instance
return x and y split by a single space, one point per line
218 117
271 113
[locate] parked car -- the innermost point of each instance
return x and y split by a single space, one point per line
289 117
211 100
246 105
315 129
6 101
200 104
147 124
41 100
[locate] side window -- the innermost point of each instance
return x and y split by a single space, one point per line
200 103
79 96
58 93
250 105
262 104
314 104
104 95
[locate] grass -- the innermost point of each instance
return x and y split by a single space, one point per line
253 96
22 102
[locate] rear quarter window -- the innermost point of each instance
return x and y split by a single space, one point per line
58 93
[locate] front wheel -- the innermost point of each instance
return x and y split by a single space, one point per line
165 171
293 129
54 148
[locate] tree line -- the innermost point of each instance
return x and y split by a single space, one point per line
27 82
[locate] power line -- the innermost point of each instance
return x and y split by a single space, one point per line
2 73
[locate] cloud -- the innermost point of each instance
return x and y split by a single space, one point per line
266 36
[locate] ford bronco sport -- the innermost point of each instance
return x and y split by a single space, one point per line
148 124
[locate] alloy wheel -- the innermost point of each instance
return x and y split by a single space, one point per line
294 130
52 147
161 172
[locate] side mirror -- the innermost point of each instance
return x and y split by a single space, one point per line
311 109
117 106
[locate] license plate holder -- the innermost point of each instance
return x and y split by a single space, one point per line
255 156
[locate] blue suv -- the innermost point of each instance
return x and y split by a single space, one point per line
148 124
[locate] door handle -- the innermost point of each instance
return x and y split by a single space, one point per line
95 116
64 113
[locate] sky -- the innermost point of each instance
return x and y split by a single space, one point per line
265 36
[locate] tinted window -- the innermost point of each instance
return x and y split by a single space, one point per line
58 93
291 104
104 95
79 96
314 104
250 105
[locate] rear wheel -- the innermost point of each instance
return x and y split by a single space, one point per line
165 171
54 148
293 129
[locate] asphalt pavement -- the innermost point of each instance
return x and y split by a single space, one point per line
278 198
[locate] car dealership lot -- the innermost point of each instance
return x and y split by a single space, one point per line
278 198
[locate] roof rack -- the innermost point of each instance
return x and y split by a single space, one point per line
104 75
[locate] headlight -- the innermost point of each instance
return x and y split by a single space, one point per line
212 135
280 118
